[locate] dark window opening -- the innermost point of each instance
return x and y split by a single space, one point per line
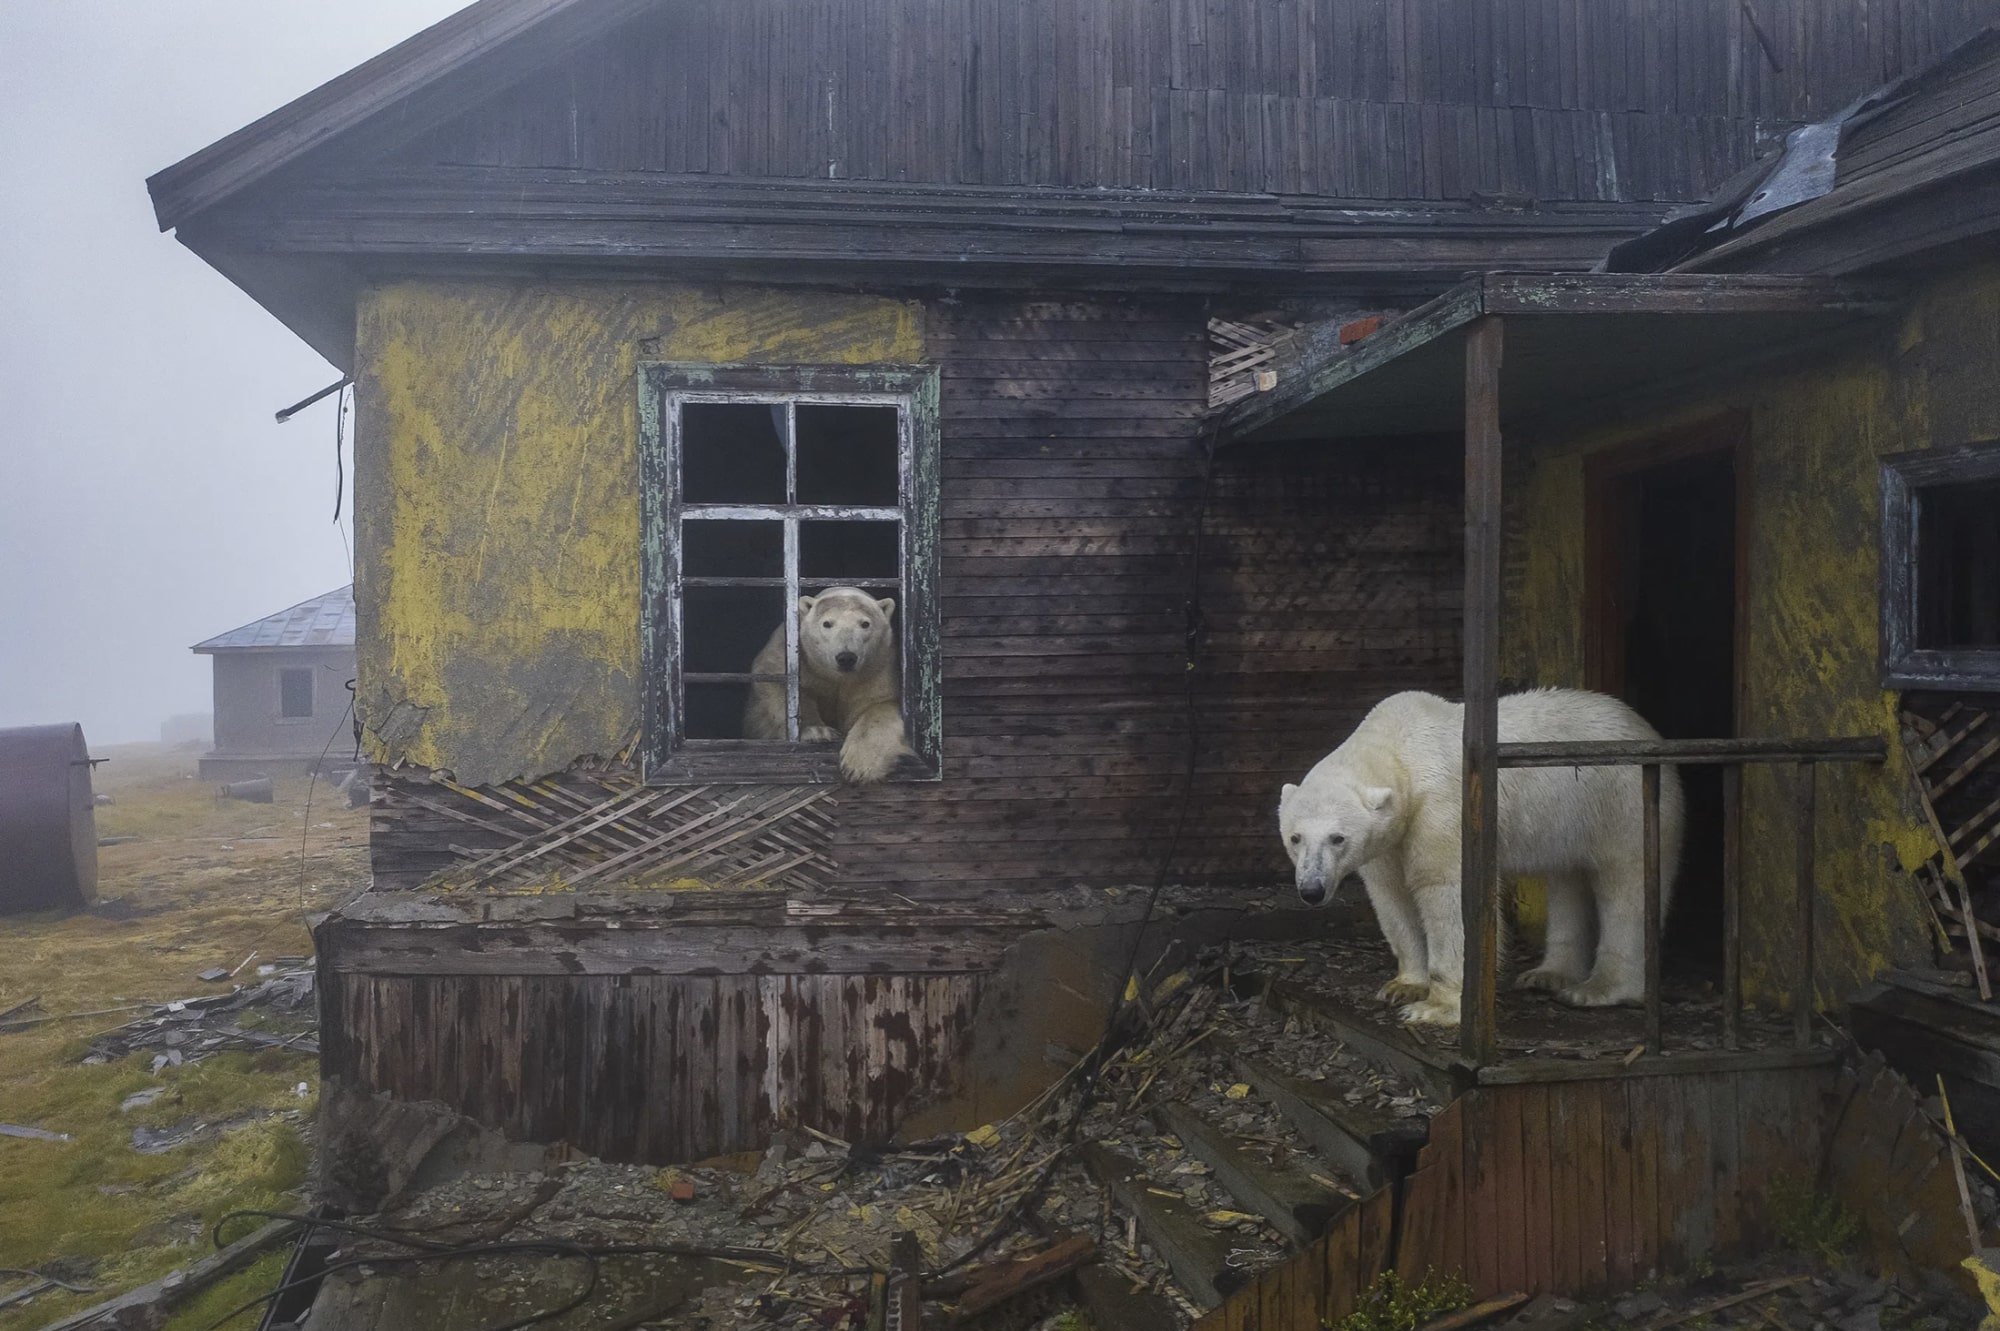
295 694
770 485
848 455
1941 569
1958 566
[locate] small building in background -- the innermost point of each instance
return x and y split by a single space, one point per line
281 690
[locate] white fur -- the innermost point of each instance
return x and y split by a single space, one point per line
1385 805
859 704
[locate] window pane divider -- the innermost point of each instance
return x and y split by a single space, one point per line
804 512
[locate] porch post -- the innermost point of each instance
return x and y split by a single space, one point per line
1479 822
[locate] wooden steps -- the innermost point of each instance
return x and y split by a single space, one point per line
1387 1048
1363 1143
1296 1207
1197 1255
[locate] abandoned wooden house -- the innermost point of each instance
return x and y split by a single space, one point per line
1130 349
282 690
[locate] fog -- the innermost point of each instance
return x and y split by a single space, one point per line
147 498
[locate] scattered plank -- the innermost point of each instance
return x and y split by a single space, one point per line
31 1134
162 1296
1012 1279
1755 1291
1479 1312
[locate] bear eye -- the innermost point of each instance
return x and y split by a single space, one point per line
1296 838
1336 840
826 623
864 623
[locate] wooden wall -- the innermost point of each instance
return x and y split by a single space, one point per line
1404 99
652 1068
1073 472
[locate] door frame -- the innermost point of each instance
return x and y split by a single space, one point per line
1607 475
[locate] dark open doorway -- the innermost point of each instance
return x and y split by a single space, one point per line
1665 619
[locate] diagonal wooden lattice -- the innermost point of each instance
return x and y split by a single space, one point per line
586 828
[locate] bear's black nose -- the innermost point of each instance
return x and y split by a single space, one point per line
846 660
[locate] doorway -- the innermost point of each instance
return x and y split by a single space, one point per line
1664 629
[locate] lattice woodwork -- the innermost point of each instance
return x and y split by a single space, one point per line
603 827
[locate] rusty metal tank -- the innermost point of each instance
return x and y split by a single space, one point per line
48 825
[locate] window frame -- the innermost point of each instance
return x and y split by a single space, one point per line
667 756
312 694
1904 477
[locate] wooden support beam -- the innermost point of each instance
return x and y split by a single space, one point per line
1297 1207
1198 1257
1649 783
1480 807
1732 908
1806 793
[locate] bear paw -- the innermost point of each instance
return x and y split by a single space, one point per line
864 765
1544 980
819 734
1401 991
1433 1011
1597 992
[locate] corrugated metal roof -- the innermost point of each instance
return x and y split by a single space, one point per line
324 621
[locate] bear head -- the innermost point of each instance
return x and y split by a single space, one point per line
1330 829
845 631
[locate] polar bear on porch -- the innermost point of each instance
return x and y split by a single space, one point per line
1386 803
850 682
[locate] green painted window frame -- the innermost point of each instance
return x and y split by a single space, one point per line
670 758
1906 663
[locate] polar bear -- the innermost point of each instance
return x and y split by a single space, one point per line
850 682
1386 804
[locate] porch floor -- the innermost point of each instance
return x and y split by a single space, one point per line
1336 974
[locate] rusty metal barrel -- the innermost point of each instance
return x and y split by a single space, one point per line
48 825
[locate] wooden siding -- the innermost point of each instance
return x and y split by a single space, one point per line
1648 1176
1073 471
653 1068
1386 99
1073 464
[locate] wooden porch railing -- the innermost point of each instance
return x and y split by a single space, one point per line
1479 1034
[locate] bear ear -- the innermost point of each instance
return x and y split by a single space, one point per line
887 605
1289 791
806 604
1378 798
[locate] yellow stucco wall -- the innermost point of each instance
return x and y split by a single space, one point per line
1811 655
497 506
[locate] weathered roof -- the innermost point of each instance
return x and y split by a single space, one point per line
1909 167
324 621
1571 341
473 53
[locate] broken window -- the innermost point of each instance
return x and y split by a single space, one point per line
765 486
1941 569
295 694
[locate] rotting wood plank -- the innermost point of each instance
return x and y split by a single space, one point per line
1375 1147
1115 1304
1435 1072
1198 1257
1297 1207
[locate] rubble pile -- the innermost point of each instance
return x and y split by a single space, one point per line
275 1012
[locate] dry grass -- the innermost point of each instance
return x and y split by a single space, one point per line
205 884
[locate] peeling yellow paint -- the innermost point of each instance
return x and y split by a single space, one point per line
498 582
1812 582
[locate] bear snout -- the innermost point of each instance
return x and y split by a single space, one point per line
1315 891
846 660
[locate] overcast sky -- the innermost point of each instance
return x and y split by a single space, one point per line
147 499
